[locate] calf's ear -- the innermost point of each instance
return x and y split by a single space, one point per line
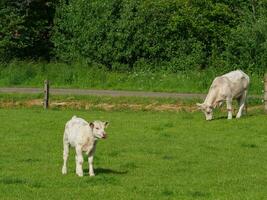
91 124
106 124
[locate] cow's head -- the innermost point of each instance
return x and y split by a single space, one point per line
98 128
206 109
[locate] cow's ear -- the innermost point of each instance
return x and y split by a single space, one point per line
199 106
91 124
106 124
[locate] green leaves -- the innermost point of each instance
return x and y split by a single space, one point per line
25 29
176 35
11 26
121 33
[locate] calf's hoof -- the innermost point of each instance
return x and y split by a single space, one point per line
64 170
92 174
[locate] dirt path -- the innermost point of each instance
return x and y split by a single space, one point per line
114 93
80 104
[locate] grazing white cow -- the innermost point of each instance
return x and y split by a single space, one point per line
83 137
233 85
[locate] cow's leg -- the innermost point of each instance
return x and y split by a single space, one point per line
90 162
65 156
79 161
241 102
229 107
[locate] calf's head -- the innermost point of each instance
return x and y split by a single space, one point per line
98 128
206 109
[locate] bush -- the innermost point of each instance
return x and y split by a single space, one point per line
247 47
129 35
121 34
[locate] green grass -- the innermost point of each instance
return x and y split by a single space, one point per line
94 77
148 155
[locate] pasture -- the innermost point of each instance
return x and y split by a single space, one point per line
148 155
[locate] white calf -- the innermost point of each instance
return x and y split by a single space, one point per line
83 137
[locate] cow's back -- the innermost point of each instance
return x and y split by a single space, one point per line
238 77
238 82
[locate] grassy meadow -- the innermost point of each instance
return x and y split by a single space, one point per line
148 155
79 75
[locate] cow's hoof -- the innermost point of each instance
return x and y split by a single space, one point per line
80 175
92 174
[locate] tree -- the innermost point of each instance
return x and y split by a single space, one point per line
25 29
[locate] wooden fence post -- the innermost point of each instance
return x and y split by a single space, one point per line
46 94
265 92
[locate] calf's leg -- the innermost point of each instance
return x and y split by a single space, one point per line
65 156
79 161
91 168
90 162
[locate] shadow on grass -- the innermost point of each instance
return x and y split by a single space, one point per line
30 160
247 145
219 118
225 117
105 171
19 181
199 194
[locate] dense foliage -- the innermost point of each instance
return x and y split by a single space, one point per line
25 29
172 35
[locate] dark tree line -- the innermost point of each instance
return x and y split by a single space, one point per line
121 35
26 28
